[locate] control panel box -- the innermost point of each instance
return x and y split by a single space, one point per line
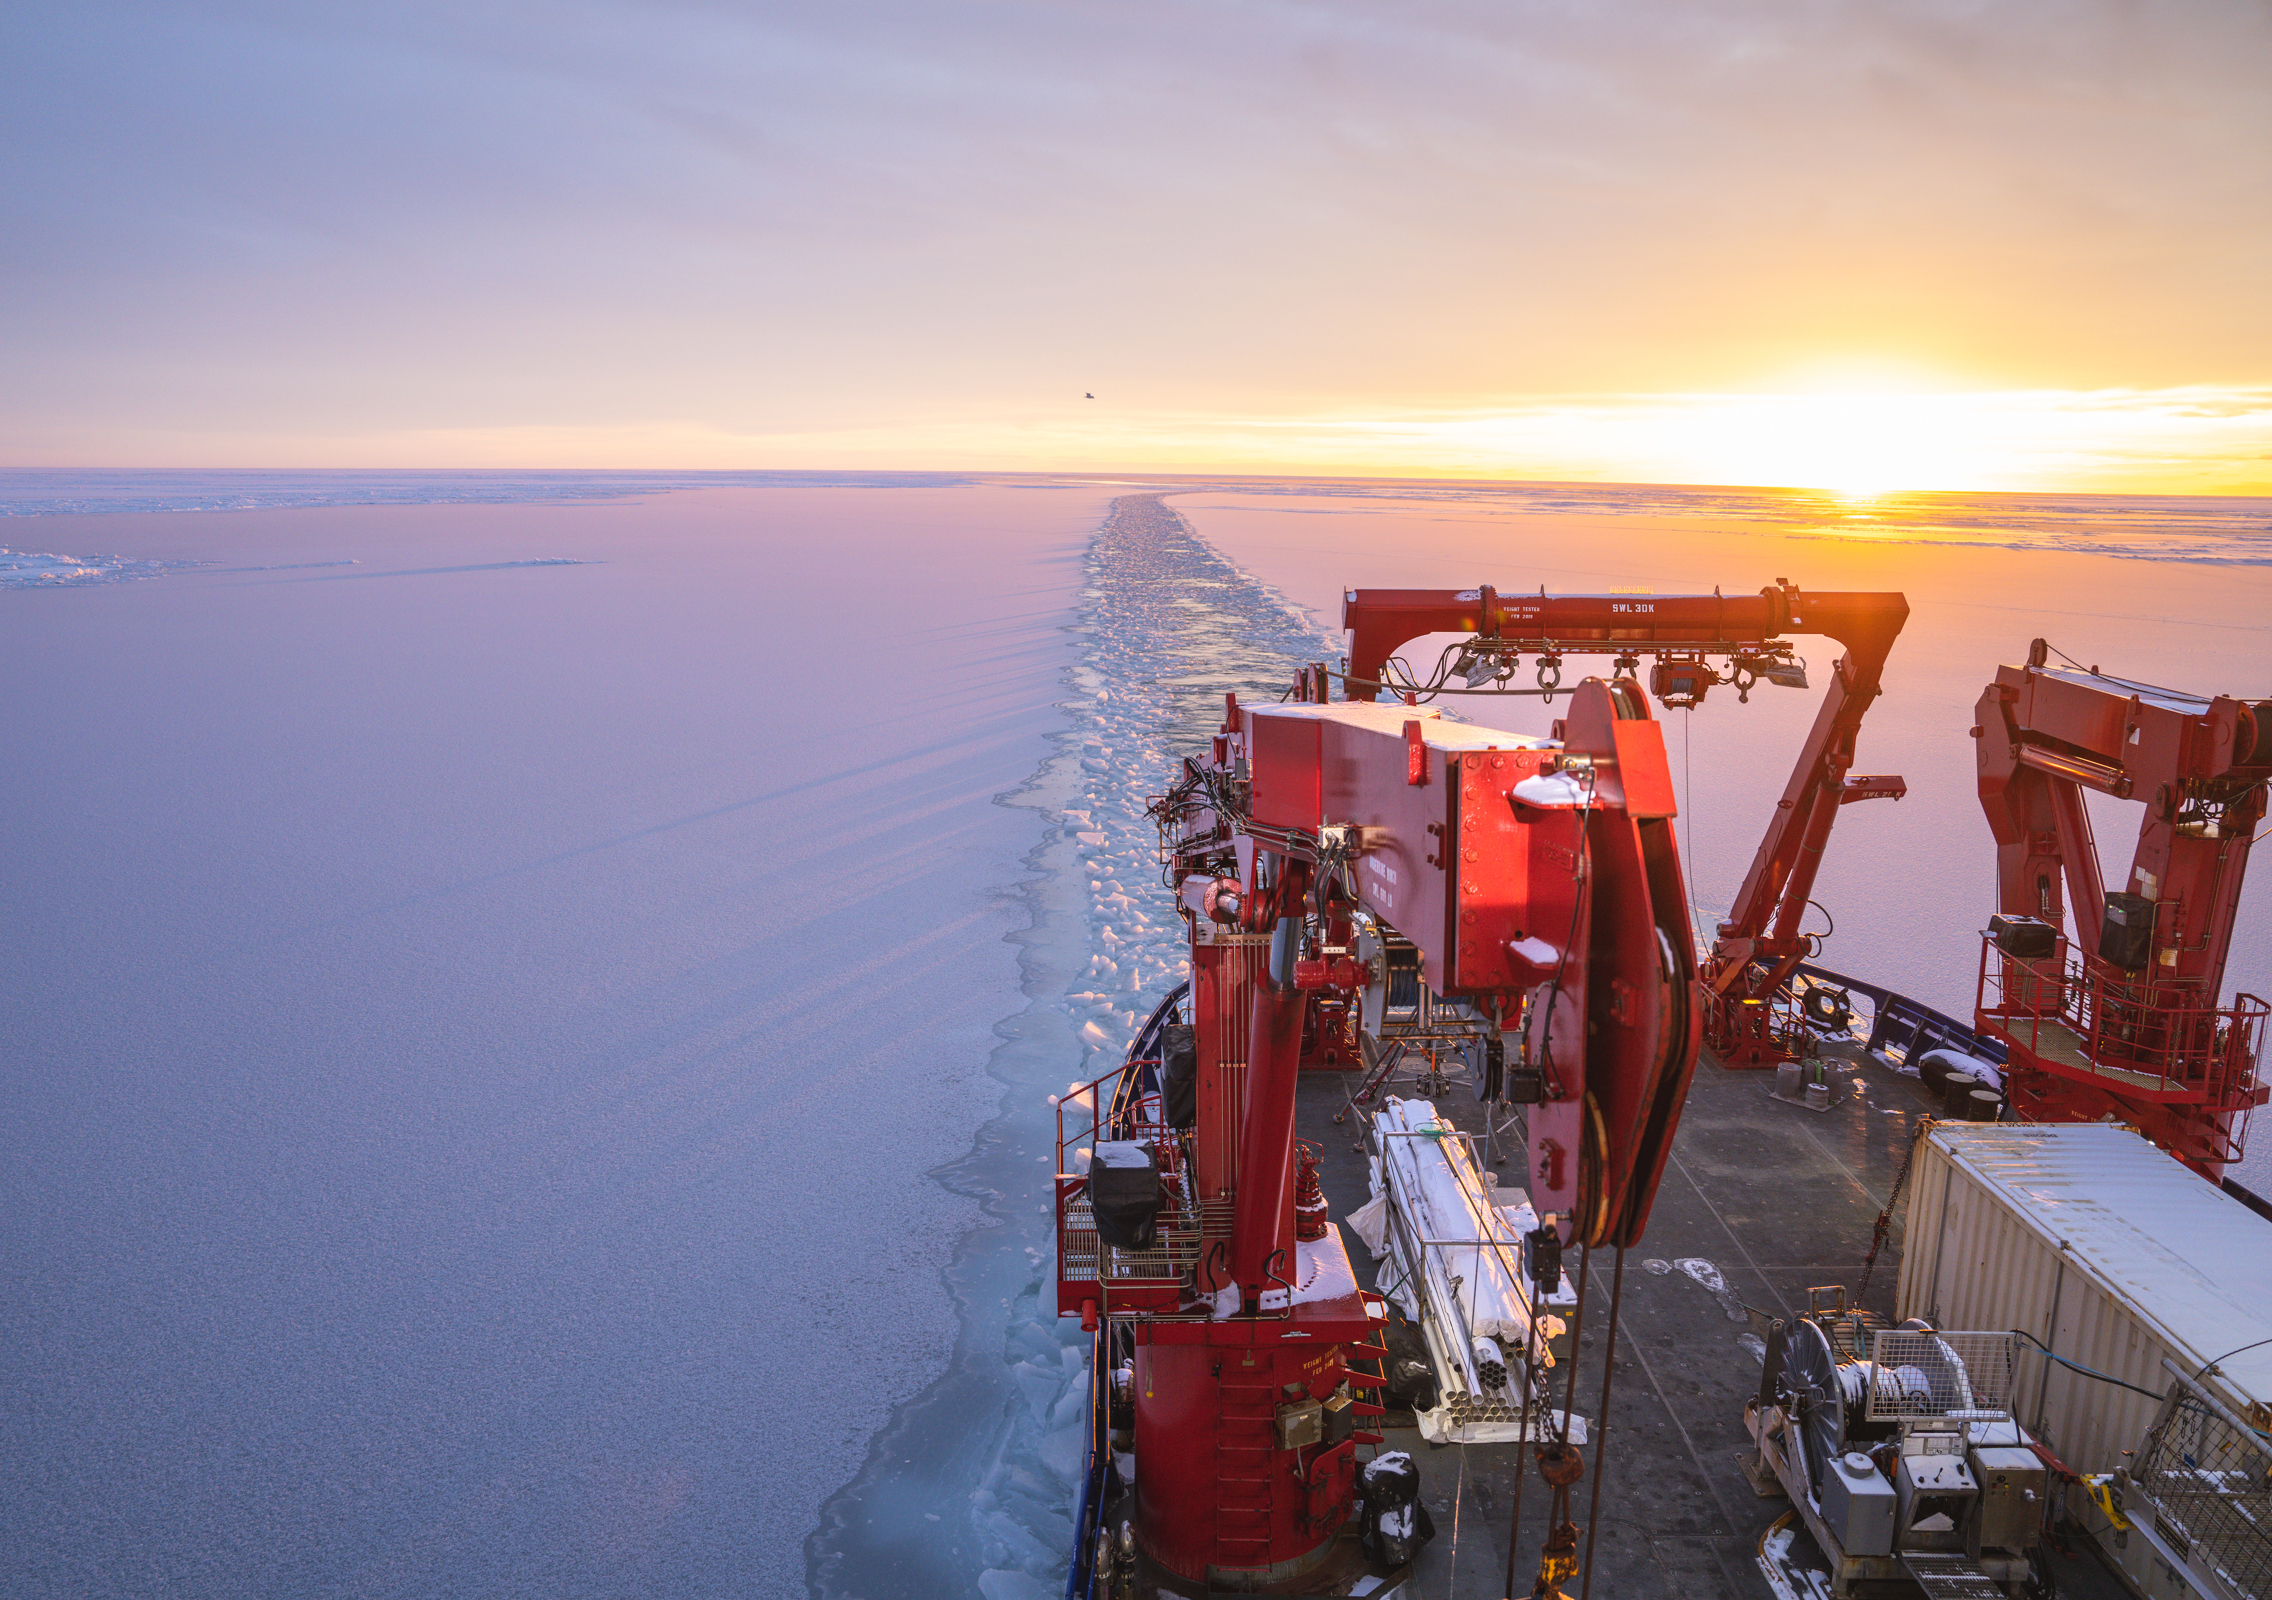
2012 1485
1934 1497
1858 1504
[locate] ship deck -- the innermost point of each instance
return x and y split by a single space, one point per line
1774 1196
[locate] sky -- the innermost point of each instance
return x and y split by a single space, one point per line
1854 243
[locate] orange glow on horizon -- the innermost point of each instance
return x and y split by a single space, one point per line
1853 442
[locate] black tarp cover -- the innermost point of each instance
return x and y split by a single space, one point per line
1124 1194
1179 1074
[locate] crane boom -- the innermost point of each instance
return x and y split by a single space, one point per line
1759 946
1359 882
2123 1019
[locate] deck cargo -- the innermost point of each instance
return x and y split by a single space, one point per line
2089 1240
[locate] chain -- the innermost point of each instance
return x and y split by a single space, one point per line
1885 1218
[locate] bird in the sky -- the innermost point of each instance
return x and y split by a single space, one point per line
1088 397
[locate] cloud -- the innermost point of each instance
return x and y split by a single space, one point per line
292 221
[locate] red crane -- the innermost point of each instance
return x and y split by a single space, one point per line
1759 947
1539 886
1323 853
2122 1020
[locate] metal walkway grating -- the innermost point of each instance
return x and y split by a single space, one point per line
1952 1578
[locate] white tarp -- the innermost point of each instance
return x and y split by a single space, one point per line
1437 1427
1471 1249
1438 1221
1370 1220
1988 1072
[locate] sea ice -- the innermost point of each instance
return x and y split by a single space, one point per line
481 1046
39 569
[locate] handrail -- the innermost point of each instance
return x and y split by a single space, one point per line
1080 1573
2174 1034
1894 1012
1080 1576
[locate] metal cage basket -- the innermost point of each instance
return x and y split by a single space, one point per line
1924 1373
2204 1483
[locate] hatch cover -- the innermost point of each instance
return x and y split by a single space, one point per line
1952 1578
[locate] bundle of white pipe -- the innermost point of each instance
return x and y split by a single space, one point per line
1434 1182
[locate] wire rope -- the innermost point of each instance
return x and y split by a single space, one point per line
1577 906
1522 1463
1458 1489
1577 1333
1601 1423
2102 1377
2127 683
2228 1355
1688 800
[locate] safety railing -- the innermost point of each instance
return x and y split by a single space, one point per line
1124 1104
2203 1485
1900 1030
1121 1280
2161 1038
1445 1275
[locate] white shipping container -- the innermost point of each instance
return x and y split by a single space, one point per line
2107 1250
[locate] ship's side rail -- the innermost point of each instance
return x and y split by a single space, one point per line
1088 1500
2201 1490
1901 1029
1136 1076
1099 1280
1120 1280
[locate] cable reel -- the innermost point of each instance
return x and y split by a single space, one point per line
1825 1396
1681 682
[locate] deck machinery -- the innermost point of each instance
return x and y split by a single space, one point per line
2124 1020
1750 1018
1900 1456
1538 884
1342 863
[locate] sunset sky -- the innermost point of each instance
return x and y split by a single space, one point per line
1876 244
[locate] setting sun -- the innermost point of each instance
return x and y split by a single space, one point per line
1857 442
1852 444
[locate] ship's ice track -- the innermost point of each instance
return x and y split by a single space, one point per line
969 1488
